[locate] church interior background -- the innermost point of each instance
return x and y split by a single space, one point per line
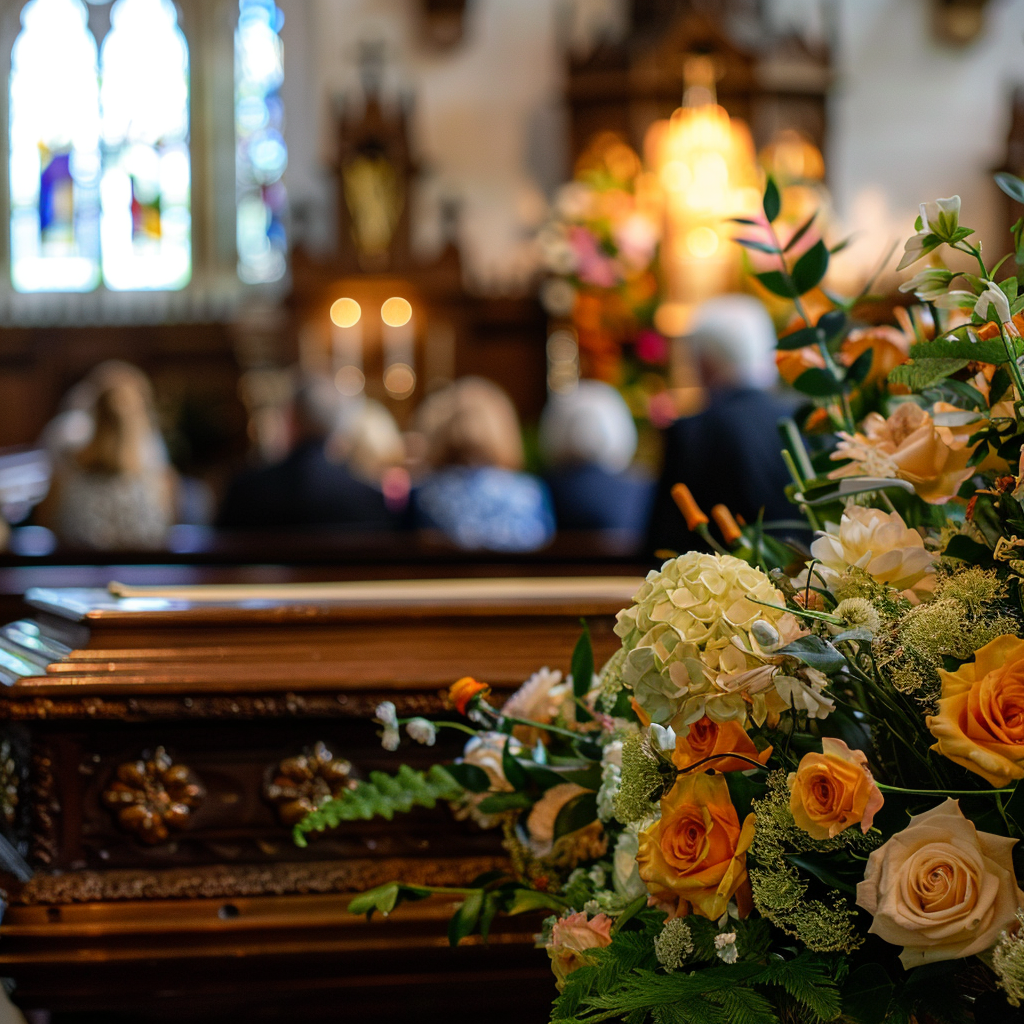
237 197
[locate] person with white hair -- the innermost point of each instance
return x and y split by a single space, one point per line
730 453
588 439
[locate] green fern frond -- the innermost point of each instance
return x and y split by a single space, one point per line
383 796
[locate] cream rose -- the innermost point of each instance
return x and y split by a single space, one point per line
878 542
539 699
940 888
571 937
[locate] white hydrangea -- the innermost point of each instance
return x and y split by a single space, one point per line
611 779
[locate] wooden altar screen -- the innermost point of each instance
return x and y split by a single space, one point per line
146 790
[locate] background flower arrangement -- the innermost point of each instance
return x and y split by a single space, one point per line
791 795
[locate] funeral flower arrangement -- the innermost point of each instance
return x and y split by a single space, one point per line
790 795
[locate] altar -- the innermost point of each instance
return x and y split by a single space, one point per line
158 744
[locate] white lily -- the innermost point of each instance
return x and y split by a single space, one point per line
929 285
993 295
942 217
663 737
939 221
957 299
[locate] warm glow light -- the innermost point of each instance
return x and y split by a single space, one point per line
399 379
346 312
396 312
350 381
702 242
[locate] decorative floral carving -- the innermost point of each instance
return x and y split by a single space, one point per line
10 780
300 784
151 797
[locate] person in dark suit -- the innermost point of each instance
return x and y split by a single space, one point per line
730 453
307 488
588 439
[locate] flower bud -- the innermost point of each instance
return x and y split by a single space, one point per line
766 635
688 506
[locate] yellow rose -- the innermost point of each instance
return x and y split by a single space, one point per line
833 790
878 542
940 888
980 722
696 854
910 446
706 738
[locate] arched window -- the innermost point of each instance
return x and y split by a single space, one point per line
261 154
146 222
54 156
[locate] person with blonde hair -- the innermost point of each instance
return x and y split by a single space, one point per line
477 494
113 484
588 439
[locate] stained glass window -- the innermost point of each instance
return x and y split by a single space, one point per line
146 223
54 157
260 147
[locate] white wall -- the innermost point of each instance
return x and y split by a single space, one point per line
911 118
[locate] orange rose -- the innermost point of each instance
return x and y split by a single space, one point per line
833 790
462 692
890 346
695 855
706 738
794 362
980 722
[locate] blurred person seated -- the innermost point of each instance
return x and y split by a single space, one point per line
588 439
308 488
730 453
369 442
476 492
113 487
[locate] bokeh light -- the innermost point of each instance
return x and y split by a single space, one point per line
345 312
396 312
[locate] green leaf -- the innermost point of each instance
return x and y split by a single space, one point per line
385 898
470 777
750 243
968 550
778 284
582 664
579 811
525 901
1009 288
800 232
513 771
1011 185
382 796
818 382
952 347
861 366
799 339
833 324
772 202
498 803
867 994
820 871
464 921
816 652
923 373
487 915
811 267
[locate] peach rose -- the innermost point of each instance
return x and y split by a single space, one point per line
540 699
890 346
460 693
706 737
980 722
695 855
910 446
571 937
833 790
940 888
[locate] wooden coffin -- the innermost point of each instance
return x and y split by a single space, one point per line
148 781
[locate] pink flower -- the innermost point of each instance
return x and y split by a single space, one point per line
571 937
651 347
592 266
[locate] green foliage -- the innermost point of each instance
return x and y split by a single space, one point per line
772 202
810 268
814 651
923 373
383 796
